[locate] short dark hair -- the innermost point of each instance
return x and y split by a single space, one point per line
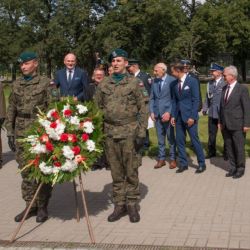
177 66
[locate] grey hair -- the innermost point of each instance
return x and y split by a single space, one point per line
162 65
232 70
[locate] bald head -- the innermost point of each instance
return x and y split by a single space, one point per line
160 70
70 61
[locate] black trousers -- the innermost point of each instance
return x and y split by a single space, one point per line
212 133
235 143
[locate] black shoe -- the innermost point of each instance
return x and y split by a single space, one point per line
96 167
181 169
238 175
133 214
32 212
42 214
200 169
231 173
210 156
119 211
225 157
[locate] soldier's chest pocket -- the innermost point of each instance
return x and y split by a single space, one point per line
38 96
128 97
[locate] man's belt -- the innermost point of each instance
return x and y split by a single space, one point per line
24 115
121 122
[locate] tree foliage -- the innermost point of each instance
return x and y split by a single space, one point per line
151 30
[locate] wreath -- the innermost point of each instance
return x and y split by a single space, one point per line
63 142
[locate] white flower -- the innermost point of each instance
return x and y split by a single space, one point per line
32 139
90 145
45 169
38 149
60 128
88 127
67 152
52 134
69 166
74 120
44 123
50 112
55 170
82 109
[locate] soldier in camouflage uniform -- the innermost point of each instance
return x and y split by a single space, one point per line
28 92
125 122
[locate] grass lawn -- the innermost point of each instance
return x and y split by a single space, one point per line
203 132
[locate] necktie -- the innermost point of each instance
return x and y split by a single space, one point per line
227 93
179 86
70 76
160 85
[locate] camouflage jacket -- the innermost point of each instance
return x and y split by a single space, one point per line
24 99
124 108
2 102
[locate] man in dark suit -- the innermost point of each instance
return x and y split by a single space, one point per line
134 69
185 116
211 107
234 120
72 80
160 105
187 70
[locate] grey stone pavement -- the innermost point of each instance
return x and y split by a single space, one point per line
184 210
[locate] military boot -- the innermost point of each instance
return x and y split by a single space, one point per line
42 214
119 211
32 212
133 213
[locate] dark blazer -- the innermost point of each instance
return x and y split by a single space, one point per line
79 86
145 79
187 102
161 101
235 113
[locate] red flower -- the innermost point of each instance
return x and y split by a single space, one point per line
54 158
49 146
44 138
57 164
53 124
64 137
76 150
72 137
67 112
55 115
80 158
85 137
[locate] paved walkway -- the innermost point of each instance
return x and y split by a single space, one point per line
207 210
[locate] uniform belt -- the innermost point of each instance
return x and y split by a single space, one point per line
24 115
121 122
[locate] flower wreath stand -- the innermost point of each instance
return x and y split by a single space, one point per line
60 145
90 229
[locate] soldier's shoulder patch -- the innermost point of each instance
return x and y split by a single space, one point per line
145 92
141 84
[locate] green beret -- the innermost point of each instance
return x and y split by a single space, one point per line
117 52
133 61
27 56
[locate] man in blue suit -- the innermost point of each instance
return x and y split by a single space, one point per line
72 80
160 105
185 116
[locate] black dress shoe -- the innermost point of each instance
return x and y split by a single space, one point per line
200 169
119 211
42 214
32 212
181 169
230 173
238 175
133 214
210 156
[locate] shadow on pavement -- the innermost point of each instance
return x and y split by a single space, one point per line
62 204
7 157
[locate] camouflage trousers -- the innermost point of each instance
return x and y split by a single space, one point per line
124 165
29 186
